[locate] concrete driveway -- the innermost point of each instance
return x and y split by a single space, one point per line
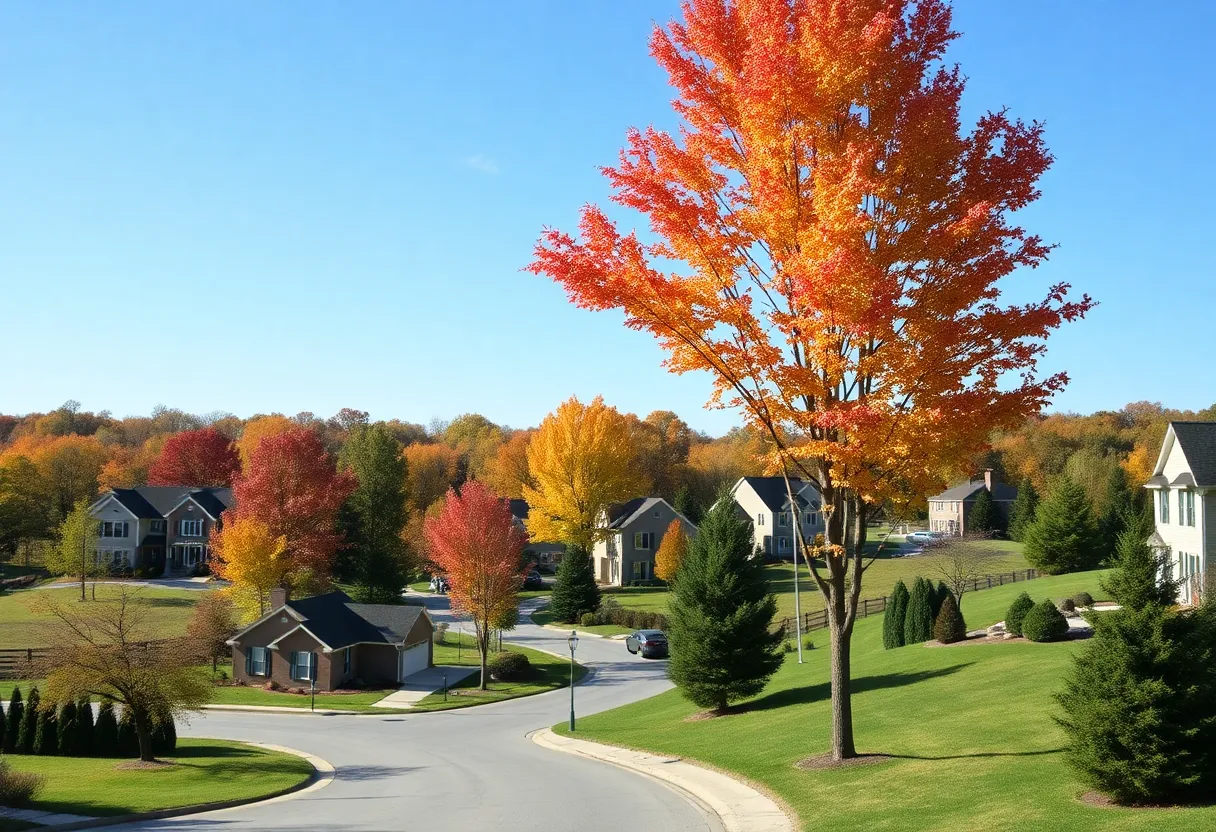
471 769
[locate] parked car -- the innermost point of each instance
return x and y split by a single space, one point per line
439 584
533 580
923 538
649 644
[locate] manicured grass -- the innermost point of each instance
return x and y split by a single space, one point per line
969 728
543 617
551 673
247 695
21 622
206 771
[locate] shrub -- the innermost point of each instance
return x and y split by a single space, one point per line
894 615
1017 612
441 633
12 720
69 731
128 739
808 643
918 621
84 727
46 734
510 667
29 725
18 788
949 626
164 736
1083 599
588 619
1044 623
1066 605
787 646
105 732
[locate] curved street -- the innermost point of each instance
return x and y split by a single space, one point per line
466 769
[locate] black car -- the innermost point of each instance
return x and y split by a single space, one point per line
533 580
650 644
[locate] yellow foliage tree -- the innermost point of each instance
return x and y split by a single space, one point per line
583 459
671 552
253 559
257 429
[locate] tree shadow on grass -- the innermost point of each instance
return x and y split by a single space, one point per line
977 755
823 691
176 603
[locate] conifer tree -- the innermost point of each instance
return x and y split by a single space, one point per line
84 727
46 735
128 739
1017 613
894 615
105 731
29 724
1021 513
574 590
949 626
12 721
1138 580
688 505
723 646
1063 536
918 621
983 516
69 731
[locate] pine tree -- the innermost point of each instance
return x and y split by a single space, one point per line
29 724
983 516
918 621
688 505
1118 508
105 732
84 727
723 646
128 738
949 626
1063 536
938 596
1017 613
374 515
893 617
1021 513
574 591
12 720
46 734
69 731
1139 578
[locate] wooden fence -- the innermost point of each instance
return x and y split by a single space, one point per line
818 620
13 662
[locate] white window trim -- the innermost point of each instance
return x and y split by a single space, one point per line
312 665
253 671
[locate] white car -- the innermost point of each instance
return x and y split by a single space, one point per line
923 538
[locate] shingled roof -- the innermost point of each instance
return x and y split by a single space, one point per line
151 502
337 621
1001 491
1198 443
772 492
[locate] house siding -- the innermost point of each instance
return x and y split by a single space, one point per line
1184 541
189 510
112 510
279 658
767 535
615 555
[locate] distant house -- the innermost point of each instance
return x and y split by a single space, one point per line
1184 493
634 531
766 502
548 555
157 527
950 511
331 639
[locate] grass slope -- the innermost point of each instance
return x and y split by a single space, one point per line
21 620
206 771
970 729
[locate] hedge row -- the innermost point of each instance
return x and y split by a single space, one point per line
70 730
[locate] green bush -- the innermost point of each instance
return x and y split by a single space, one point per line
588 619
1044 623
18 788
164 737
105 732
949 626
510 667
46 734
1083 599
1067 605
918 621
128 738
1017 612
12 721
29 725
69 731
894 615
84 727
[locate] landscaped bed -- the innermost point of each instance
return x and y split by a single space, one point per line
970 734
544 617
203 771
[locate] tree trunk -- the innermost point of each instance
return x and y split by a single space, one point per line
483 647
144 733
842 703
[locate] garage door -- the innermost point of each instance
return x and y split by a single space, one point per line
412 660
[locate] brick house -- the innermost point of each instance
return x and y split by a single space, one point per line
333 640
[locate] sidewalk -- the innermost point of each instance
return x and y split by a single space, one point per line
422 684
740 807
41 817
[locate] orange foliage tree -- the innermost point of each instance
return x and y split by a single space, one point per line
257 429
507 472
828 242
475 542
670 555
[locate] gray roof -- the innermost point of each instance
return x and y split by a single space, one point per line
621 514
339 622
519 508
152 502
772 491
1198 441
393 621
1001 491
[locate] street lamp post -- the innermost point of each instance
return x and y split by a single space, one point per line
573 642
313 690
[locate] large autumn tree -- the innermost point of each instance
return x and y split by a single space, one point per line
583 459
828 242
375 514
293 487
475 542
196 458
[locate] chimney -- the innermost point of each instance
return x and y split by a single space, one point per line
279 596
988 479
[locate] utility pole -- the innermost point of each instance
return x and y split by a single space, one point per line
797 516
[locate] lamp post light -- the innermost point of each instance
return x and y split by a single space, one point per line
313 690
573 642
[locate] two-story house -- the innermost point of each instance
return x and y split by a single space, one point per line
1183 486
158 528
949 512
766 502
631 534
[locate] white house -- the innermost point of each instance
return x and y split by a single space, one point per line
633 533
765 501
1184 498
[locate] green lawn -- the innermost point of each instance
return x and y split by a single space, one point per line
245 695
21 622
969 728
544 617
207 771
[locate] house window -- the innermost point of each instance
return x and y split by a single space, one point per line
640 569
783 544
113 529
1163 506
783 519
657 512
643 540
1186 508
190 528
811 519
158 527
760 519
257 661
303 666
346 662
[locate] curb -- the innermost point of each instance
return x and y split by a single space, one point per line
322 776
740 807
280 709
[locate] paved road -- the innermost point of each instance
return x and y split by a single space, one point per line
470 769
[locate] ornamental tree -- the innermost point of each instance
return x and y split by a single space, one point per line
475 542
247 553
829 243
196 458
671 551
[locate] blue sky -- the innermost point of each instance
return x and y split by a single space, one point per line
308 206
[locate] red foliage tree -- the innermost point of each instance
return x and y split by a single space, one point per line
477 545
196 458
294 487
